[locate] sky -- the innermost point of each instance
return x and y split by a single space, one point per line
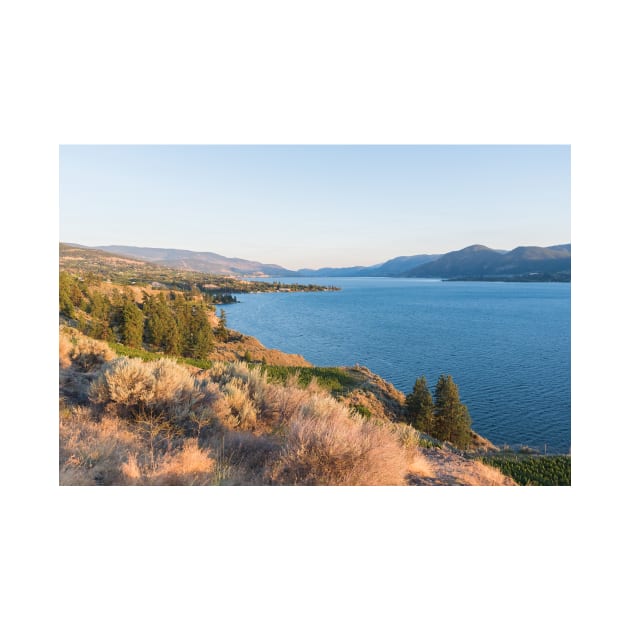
315 205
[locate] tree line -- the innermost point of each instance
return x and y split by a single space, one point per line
441 415
167 322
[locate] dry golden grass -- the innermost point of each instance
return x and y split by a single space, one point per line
65 350
478 474
90 452
81 352
188 466
327 445
448 468
421 467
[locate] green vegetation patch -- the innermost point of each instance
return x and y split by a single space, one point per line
333 379
534 470
145 355
362 410
127 351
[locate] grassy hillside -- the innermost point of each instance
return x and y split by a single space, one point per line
129 421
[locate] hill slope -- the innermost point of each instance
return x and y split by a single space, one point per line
207 262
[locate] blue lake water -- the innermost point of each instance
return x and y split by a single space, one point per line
507 345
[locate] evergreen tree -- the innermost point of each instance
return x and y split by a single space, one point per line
222 331
452 420
199 339
161 329
70 294
132 324
419 406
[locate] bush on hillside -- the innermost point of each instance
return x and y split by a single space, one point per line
132 386
328 445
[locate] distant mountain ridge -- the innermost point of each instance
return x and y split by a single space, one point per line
475 261
210 262
392 267
480 261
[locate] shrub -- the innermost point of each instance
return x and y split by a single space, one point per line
127 382
326 445
81 352
133 386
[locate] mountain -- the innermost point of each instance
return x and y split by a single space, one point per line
475 261
207 262
210 262
392 267
339 272
566 247
402 264
479 261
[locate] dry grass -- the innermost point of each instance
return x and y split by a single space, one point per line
448 468
421 467
327 445
188 466
81 352
113 452
90 452
478 474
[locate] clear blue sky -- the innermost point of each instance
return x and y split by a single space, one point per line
315 205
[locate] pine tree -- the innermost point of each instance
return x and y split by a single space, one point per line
70 294
132 324
419 406
198 338
222 331
99 307
452 420
161 329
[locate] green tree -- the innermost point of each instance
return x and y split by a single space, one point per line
161 329
452 420
419 406
100 308
222 331
198 338
132 324
70 294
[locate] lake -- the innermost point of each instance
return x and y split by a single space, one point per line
507 345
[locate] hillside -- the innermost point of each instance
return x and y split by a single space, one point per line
206 262
156 422
121 269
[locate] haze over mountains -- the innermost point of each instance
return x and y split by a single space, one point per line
475 261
